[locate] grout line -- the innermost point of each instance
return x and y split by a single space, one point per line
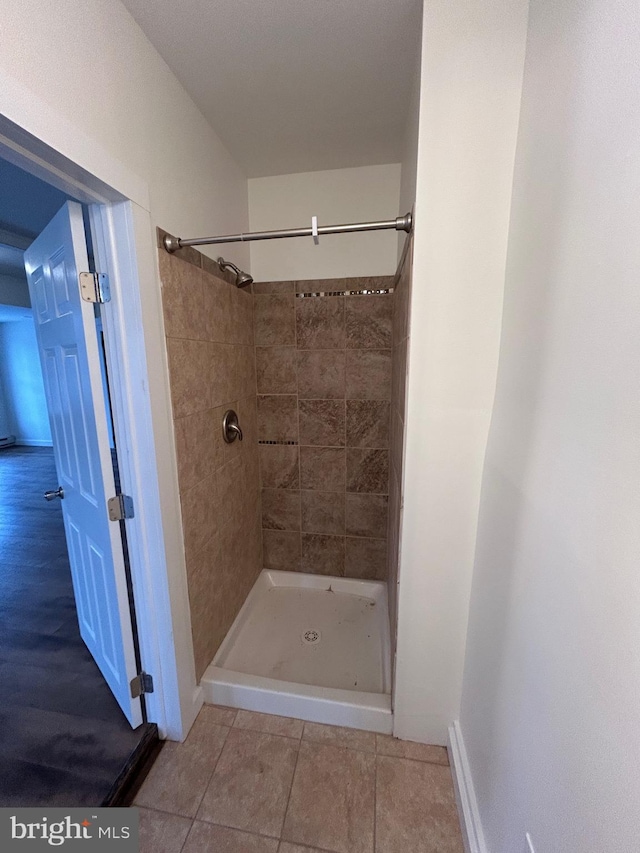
375 797
235 828
206 787
293 779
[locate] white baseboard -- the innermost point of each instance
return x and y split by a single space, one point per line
33 442
472 834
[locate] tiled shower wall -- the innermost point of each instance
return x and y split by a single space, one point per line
209 331
401 302
323 359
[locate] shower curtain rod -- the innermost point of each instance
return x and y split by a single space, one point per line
401 223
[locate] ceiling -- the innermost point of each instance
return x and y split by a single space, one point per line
293 85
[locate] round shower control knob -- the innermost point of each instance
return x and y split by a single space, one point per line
230 427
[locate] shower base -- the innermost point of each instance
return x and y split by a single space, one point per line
308 646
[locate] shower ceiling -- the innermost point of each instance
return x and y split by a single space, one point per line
293 85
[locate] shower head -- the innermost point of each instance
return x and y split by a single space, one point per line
242 278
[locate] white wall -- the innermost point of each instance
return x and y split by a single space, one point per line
80 76
14 291
471 75
88 62
335 197
21 382
551 703
409 164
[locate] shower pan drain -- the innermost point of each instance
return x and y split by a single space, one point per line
311 638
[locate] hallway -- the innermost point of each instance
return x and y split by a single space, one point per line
63 738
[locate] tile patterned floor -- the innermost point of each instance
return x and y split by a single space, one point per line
253 783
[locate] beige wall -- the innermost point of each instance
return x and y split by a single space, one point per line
471 77
324 385
551 708
336 196
93 75
209 329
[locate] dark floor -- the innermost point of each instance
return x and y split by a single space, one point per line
63 739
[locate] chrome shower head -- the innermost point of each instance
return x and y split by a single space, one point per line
242 278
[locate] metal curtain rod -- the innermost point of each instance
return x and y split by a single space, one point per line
401 223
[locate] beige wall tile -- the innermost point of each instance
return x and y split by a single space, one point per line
368 423
367 470
322 285
368 321
195 447
274 320
279 466
189 366
322 422
278 417
182 299
277 370
281 550
270 287
368 374
366 515
199 514
365 558
320 323
322 469
280 509
321 374
332 799
217 309
322 555
323 512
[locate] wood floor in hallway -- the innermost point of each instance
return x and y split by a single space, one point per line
63 739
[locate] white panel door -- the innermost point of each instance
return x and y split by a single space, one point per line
67 341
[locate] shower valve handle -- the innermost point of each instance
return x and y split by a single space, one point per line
230 427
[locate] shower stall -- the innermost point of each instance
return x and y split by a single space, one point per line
288 405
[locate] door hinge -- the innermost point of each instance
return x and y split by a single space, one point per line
94 287
120 507
141 684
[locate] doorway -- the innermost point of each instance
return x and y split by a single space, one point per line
64 739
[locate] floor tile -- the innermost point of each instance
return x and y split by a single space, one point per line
219 715
181 773
250 787
393 746
340 736
415 808
162 833
332 799
208 838
269 724
287 847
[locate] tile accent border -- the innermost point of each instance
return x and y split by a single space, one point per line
386 292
